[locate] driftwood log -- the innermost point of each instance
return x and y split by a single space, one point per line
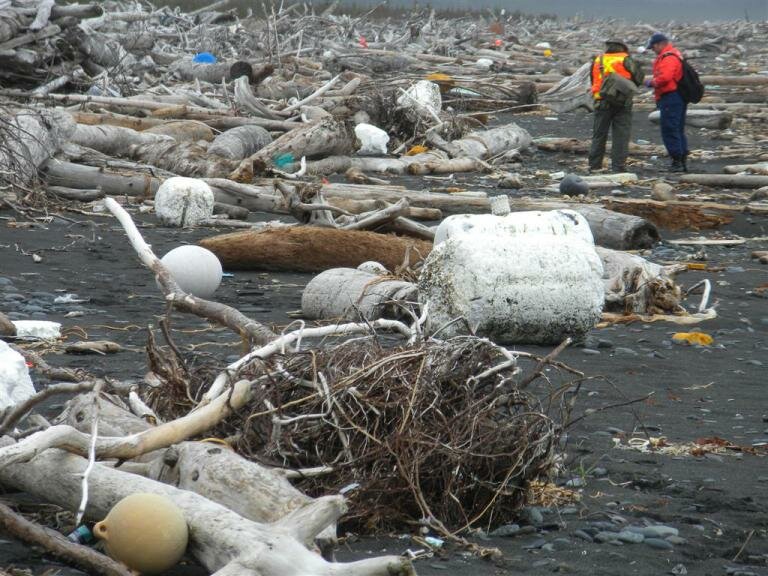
313 249
223 541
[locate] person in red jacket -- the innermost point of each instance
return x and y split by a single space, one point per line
667 72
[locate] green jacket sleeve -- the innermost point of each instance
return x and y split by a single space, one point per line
635 70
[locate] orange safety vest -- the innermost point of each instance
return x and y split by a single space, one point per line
604 65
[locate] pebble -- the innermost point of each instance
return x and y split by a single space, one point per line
754 362
536 544
614 430
549 547
533 515
599 472
590 352
630 537
561 542
659 544
625 351
507 530
604 344
606 536
569 510
583 535
659 531
575 482
676 540
5 281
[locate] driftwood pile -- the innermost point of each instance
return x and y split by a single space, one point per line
108 100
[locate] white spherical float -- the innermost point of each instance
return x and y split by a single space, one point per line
183 202
195 269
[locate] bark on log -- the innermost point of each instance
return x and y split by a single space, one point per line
69 175
350 294
7 328
312 249
714 119
323 138
570 93
618 231
253 491
241 142
58 545
183 130
31 137
672 215
113 119
725 180
491 142
220 539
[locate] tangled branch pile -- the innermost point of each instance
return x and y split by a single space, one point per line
426 433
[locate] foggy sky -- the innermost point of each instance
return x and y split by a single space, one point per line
633 10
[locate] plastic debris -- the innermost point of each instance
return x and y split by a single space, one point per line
204 58
15 383
693 338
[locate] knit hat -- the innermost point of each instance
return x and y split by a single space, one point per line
618 43
656 38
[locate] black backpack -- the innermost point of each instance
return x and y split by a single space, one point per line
689 87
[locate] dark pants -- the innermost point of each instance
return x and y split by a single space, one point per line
618 119
673 109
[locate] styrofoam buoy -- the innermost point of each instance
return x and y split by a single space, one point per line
529 277
183 201
566 223
195 269
15 383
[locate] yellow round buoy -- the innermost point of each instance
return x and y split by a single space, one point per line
146 532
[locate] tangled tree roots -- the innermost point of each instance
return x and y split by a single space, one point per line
425 433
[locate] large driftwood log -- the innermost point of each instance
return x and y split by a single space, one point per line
489 143
312 249
165 152
618 231
672 215
69 175
726 180
350 294
570 93
253 491
323 138
714 119
222 540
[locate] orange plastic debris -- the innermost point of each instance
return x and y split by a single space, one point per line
418 149
694 338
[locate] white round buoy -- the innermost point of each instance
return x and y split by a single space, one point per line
183 202
196 270
15 383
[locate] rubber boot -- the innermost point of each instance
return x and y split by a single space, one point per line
677 165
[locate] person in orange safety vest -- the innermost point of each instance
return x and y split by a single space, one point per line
612 115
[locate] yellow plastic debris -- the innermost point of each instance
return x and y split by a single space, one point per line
418 149
548 53
696 266
694 338
444 81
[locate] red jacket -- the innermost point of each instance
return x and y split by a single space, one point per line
667 71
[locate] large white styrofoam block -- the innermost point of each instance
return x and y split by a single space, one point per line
563 223
43 329
526 288
15 383
183 201
422 99
373 140
196 270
